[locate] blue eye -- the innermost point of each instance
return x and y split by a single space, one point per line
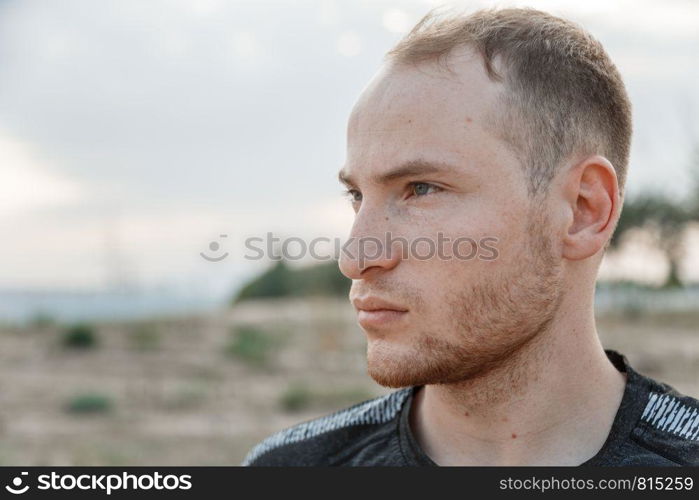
353 195
423 188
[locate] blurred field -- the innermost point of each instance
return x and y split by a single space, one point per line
202 390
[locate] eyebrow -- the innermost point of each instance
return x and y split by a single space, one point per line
410 168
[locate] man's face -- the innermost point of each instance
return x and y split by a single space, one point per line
443 318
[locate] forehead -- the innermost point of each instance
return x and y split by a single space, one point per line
424 111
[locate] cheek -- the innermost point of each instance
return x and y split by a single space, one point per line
463 252
481 234
497 232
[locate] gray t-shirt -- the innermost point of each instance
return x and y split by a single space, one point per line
654 425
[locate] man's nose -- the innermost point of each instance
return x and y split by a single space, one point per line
371 247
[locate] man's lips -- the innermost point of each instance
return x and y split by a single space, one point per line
375 312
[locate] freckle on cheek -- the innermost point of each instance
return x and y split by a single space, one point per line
514 436
466 414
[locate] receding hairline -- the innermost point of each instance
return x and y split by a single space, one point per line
577 103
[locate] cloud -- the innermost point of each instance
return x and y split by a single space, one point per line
186 116
28 183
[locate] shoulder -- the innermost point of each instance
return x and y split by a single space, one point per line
322 440
669 424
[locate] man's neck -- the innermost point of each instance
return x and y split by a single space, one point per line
551 403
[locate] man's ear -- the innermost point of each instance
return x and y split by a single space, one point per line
592 192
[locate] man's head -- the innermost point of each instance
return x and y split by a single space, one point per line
508 124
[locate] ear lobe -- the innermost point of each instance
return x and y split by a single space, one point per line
592 190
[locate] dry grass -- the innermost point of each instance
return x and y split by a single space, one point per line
176 395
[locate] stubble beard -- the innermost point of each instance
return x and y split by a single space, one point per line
490 325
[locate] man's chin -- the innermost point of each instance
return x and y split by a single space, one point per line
388 378
391 364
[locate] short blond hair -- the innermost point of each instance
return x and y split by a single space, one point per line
563 96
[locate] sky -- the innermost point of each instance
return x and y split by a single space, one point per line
135 133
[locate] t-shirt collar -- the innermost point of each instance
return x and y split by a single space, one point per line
628 414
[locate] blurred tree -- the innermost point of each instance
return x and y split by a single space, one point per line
80 336
694 195
283 281
667 219
275 282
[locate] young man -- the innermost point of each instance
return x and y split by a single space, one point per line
510 127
